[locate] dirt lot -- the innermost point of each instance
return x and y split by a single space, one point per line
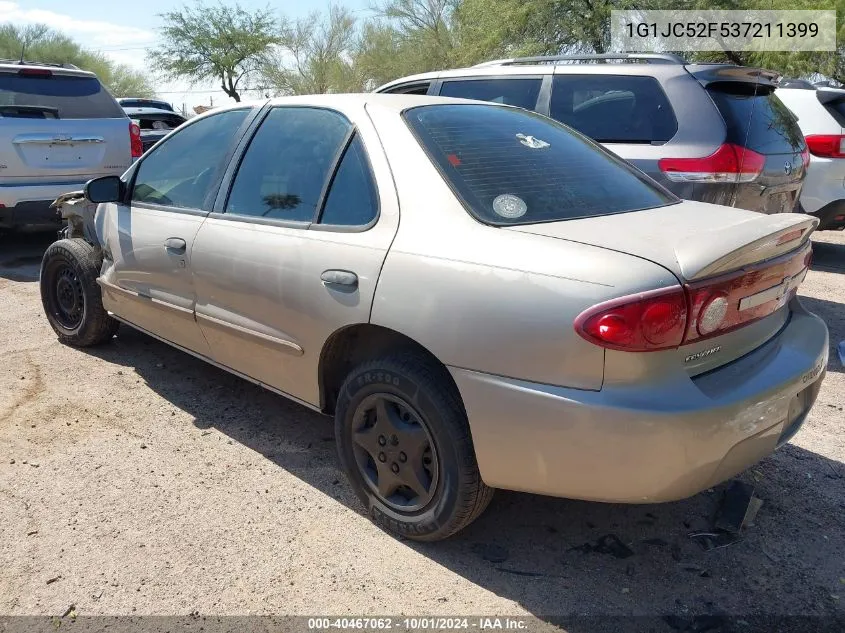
134 479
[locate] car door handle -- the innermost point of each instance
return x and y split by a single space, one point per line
340 278
175 244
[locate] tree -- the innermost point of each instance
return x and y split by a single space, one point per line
225 43
314 56
425 30
40 43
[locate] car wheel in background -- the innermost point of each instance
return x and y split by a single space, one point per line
70 295
405 444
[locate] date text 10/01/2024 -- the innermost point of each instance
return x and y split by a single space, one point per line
722 29
419 624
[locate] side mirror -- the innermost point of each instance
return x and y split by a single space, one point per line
105 189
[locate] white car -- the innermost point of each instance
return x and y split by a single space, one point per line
821 116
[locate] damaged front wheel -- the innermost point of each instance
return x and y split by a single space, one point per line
70 295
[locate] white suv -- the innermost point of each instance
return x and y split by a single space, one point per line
821 116
59 128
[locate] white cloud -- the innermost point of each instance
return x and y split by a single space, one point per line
93 34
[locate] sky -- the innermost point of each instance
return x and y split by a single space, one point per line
124 31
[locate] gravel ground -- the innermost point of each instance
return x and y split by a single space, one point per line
135 479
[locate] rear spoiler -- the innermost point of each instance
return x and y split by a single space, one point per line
714 73
755 240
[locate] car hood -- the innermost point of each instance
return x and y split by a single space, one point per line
693 240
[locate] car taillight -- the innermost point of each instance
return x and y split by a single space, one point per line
135 140
639 323
666 319
730 163
827 145
35 72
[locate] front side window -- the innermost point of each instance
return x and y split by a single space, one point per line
287 164
185 168
509 166
518 92
614 108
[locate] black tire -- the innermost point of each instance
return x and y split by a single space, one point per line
422 393
70 295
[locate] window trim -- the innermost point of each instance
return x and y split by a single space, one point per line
543 98
210 197
403 89
228 180
654 79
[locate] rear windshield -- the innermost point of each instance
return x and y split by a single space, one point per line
614 108
56 96
756 118
163 121
145 103
511 166
837 110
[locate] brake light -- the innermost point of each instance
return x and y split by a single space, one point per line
827 145
35 72
135 140
730 163
640 323
666 319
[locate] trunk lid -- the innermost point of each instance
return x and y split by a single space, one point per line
56 124
758 261
694 240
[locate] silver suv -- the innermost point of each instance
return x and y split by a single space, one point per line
710 132
59 127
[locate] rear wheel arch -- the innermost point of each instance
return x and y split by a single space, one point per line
352 345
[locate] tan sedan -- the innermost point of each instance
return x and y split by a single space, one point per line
481 297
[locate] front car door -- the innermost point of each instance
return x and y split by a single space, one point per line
294 248
147 238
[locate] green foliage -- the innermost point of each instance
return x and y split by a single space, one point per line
42 44
221 42
314 56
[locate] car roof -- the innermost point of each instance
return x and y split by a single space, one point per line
57 69
394 102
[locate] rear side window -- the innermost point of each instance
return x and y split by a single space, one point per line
756 118
614 108
56 96
522 93
515 167
287 164
164 121
351 200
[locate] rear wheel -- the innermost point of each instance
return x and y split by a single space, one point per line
70 295
404 442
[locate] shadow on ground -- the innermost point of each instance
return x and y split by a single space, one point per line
562 558
828 257
833 314
20 255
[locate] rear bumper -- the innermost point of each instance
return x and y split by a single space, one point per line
642 445
28 205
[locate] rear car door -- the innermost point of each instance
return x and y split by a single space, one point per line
147 239
294 248
523 91
59 125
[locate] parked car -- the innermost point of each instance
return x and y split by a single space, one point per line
821 115
142 102
58 129
709 132
481 297
154 123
